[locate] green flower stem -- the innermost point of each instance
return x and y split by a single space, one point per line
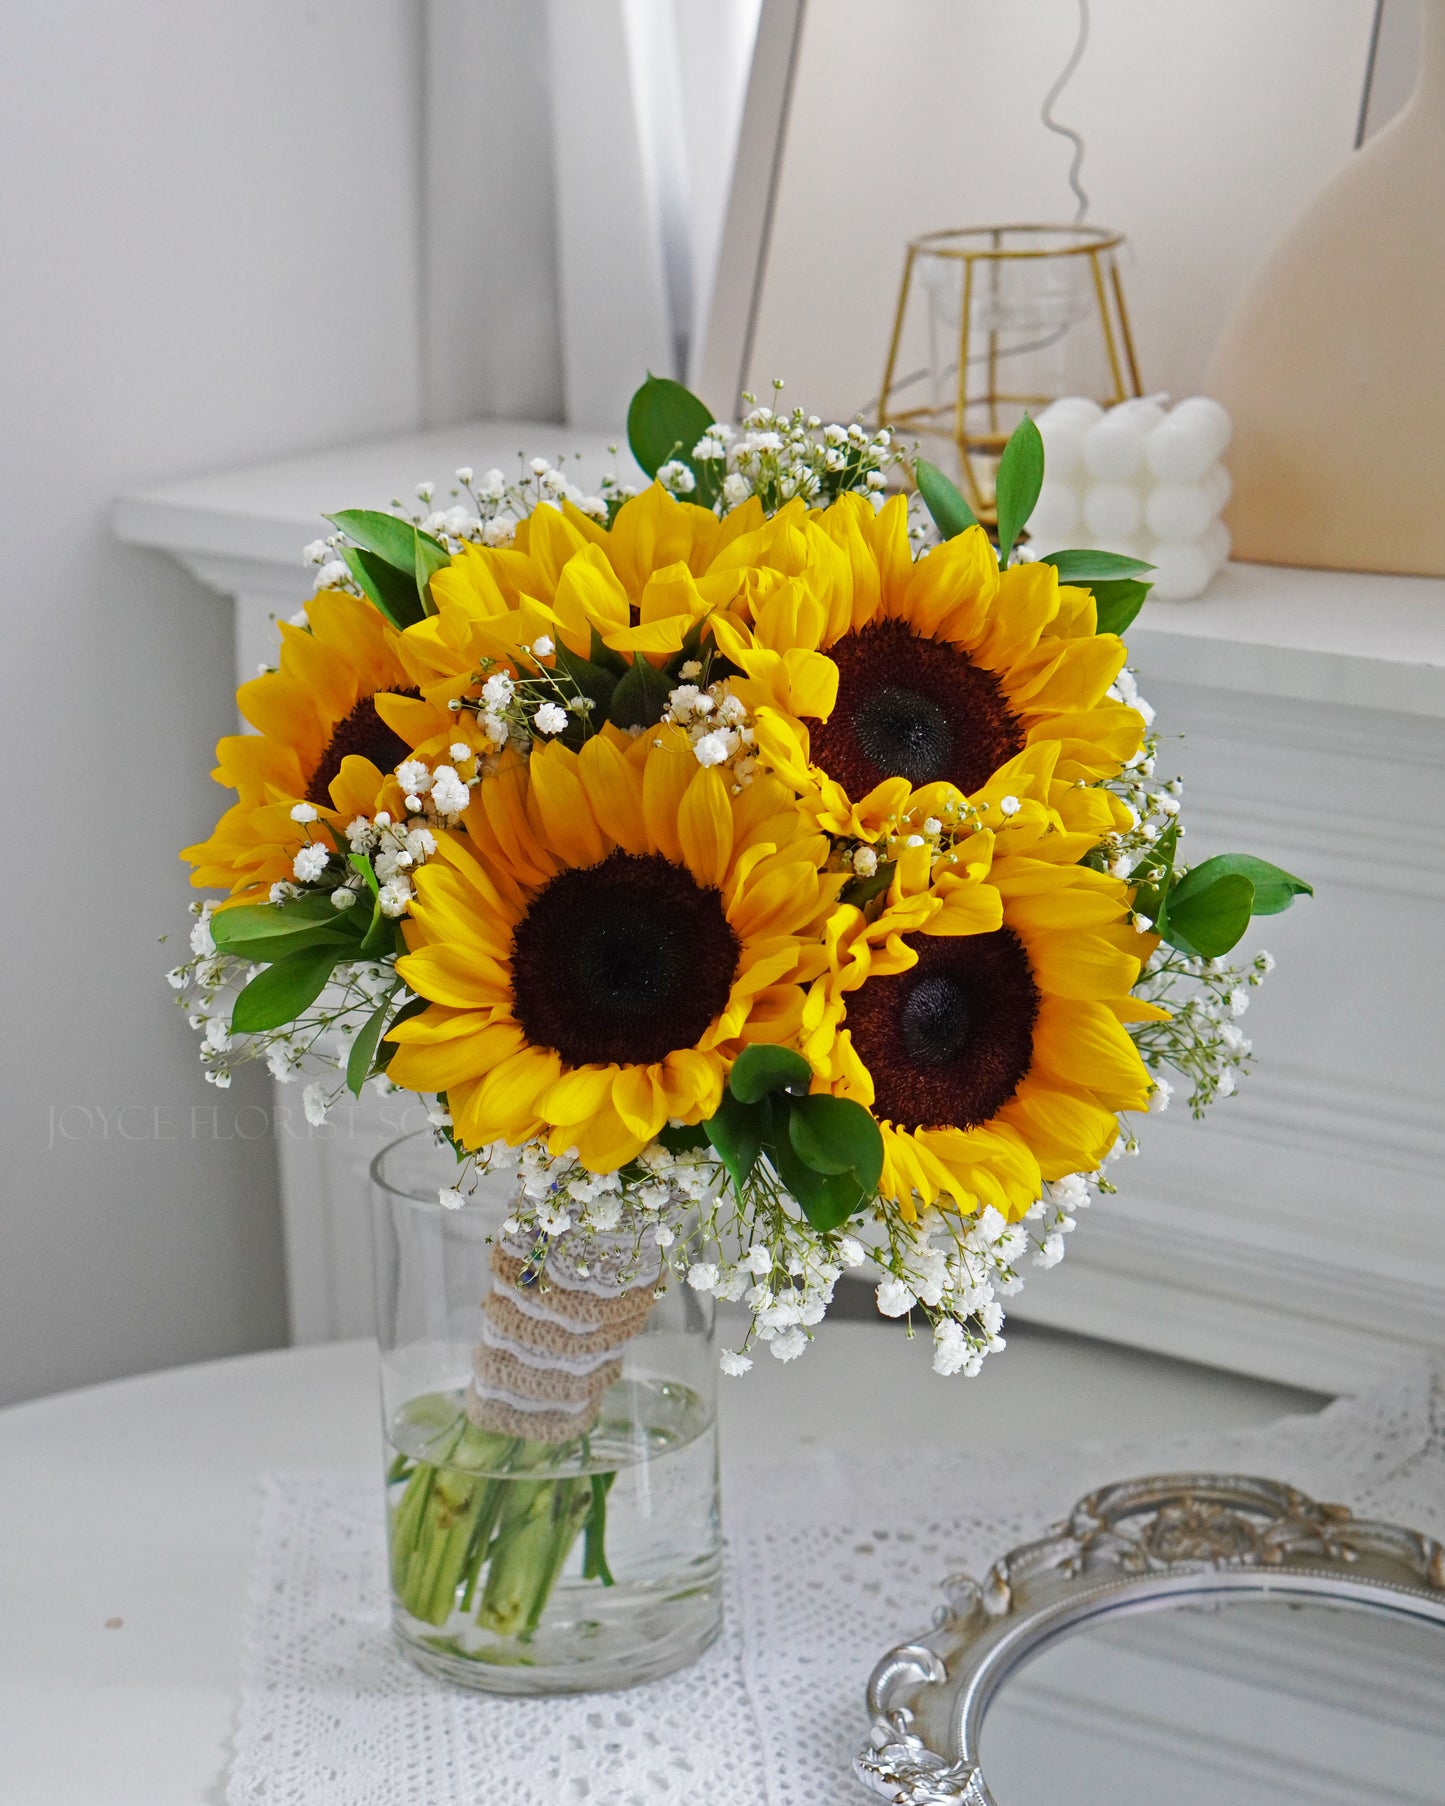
471 1522
540 1521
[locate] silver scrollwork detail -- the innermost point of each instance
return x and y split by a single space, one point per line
899 1765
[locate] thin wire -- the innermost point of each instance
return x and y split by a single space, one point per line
1046 112
1370 58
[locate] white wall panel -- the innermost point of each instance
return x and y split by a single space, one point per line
210 230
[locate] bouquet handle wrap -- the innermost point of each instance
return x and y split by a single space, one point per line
555 1331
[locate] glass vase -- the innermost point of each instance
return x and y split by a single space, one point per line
550 1419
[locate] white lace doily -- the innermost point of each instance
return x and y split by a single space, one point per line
830 1562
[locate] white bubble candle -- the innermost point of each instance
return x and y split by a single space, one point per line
1138 480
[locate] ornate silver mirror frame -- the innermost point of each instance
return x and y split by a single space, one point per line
1136 1546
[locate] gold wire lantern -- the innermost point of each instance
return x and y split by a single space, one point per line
1013 317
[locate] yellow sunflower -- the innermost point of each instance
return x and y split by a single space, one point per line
662 568
987 1036
323 738
944 670
616 925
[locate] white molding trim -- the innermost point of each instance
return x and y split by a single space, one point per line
721 358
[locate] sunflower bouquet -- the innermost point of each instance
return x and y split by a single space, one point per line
777 876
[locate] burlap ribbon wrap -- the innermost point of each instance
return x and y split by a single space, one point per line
554 1334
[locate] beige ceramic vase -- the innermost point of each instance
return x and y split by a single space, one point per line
1333 365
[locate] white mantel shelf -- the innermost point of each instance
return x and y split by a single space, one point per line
1358 639
269 511
1351 637
1310 707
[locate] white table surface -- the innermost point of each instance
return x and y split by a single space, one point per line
127 1513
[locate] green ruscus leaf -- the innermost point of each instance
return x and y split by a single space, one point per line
825 1199
640 696
363 1048
762 1068
283 991
736 1131
665 421
1117 602
392 560
943 500
386 588
1274 888
834 1135
1209 917
1020 478
1088 568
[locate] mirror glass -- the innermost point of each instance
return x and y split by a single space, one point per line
1261 1702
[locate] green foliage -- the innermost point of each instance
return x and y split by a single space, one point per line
384 1051
284 990
398 541
640 695
262 932
392 560
1020 478
1205 911
834 1135
664 422
1116 603
827 1151
1274 888
363 1048
762 1068
736 1130
1208 919
860 892
1114 579
1088 568
943 500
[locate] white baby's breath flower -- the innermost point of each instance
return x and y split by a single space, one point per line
414 777
450 1198
550 718
950 1347
733 1363
789 1345
713 748
394 896
315 1102
302 812
702 1276
543 645
894 1298
449 793
310 862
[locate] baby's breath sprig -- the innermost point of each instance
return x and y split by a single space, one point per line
778 457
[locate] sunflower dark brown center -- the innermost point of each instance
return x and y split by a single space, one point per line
949 1041
913 708
623 962
364 732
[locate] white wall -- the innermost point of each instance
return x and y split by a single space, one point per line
208 253
1208 129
